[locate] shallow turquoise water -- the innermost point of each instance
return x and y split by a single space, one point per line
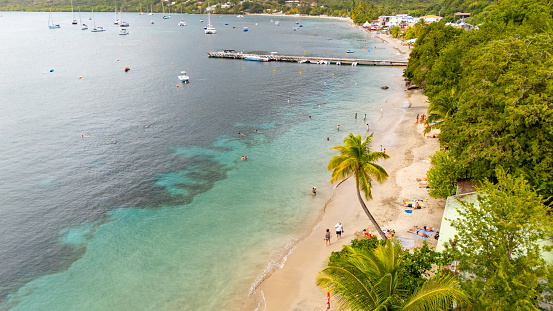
167 217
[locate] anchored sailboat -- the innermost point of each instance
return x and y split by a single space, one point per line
51 24
209 30
74 22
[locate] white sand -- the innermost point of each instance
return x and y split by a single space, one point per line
293 287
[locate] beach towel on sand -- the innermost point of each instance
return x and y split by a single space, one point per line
427 232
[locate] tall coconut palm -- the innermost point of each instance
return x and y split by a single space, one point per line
368 280
357 160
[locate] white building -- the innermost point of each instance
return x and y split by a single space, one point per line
431 18
400 20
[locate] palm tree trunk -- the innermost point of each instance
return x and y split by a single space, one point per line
375 224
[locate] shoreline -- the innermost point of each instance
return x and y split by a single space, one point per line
293 286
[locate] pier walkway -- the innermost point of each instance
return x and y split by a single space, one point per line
311 59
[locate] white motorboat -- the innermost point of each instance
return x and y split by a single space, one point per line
184 77
182 22
123 31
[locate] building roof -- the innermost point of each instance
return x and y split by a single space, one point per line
431 16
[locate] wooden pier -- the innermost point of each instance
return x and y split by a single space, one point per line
310 59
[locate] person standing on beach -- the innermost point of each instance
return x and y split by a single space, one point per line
339 230
327 237
417 118
367 127
356 116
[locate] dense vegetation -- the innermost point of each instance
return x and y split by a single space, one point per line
379 275
490 93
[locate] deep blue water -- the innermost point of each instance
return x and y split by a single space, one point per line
153 208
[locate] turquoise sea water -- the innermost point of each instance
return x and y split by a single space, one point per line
167 217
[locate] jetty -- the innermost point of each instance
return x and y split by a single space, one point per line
308 59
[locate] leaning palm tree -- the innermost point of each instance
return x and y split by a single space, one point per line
369 280
356 160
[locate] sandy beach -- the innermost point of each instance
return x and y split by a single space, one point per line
293 287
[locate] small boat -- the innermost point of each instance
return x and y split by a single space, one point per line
51 24
182 22
151 10
297 23
240 16
338 63
74 22
300 26
245 29
226 24
127 69
302 61
96 29
152 14
123 31
349 51
116 22
257 58
184 77
121 22
83 25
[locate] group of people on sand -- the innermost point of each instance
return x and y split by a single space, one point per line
339 230
421 119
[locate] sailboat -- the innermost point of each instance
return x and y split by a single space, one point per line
51 24
96 29
141 13
74 22
209 30
151 9
121 22
182 22
116 22
83 26
152 14
163 9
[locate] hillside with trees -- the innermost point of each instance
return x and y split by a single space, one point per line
359 10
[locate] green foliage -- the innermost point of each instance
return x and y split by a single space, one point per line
497 244
433 39
395 31
372 277
443 176
416 267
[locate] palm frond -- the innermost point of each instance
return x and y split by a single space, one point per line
437 293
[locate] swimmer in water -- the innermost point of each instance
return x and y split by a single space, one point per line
241 134
147 126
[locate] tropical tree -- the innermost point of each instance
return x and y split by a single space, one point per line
395 31
357 160
499 245
369 279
